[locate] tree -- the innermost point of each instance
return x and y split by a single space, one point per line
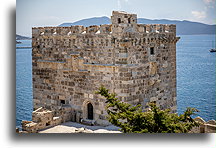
132 119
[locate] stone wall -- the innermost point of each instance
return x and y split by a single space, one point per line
135 61
205 127
41 119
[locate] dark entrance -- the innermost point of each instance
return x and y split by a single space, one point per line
90 111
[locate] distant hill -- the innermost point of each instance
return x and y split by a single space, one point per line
89 21
19 37
183 27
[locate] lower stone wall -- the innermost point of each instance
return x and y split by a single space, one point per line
205 127
43 118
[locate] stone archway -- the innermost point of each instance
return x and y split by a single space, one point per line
88 110
90 113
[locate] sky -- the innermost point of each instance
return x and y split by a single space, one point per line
35 13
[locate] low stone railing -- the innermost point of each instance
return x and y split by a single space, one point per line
204 127
41 119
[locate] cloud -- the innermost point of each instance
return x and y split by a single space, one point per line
209 1
199 14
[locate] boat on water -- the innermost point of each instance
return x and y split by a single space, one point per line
18 42
212 50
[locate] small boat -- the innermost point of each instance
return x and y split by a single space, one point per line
212 50
18 42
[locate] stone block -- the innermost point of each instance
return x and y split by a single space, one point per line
85 95
200 120
209 128
212 122
91 96
152 68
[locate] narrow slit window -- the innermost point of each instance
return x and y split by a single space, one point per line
129 21
151 50
119 20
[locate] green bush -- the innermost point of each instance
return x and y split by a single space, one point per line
132 119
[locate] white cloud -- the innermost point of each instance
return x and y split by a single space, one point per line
209 1
199 14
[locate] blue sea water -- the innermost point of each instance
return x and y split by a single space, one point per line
24 104
196 77
24 43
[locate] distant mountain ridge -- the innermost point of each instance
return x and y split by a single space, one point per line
89 21
20 37
183 27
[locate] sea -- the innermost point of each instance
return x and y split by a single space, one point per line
196 77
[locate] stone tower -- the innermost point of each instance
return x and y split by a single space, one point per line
136 61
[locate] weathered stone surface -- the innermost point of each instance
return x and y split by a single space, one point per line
199 119
213 122
204 127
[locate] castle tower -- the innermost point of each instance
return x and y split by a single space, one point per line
135 61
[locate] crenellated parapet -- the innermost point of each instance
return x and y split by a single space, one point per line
92 29
122 22
102 29
72 30
156 28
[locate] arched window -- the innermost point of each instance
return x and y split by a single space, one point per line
90 111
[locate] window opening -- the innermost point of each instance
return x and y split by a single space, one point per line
151 50
62 101
90 111
119 20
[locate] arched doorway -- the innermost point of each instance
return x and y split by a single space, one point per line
89 111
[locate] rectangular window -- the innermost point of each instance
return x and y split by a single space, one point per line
128 20
119 20
151 50
62 101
